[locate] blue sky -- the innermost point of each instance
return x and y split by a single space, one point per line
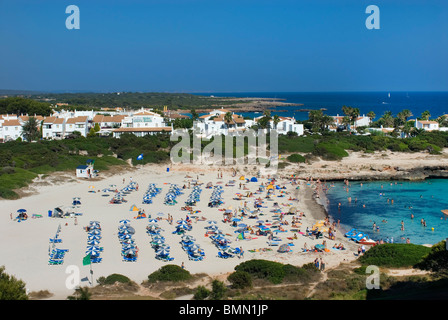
224 46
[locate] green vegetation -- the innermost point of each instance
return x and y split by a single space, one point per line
201 293
436 260
273 272
134 100
240 280
111 279
81 294
170 272
334 145
397 255
21 162
18 105
10 287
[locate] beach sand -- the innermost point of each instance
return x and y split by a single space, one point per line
25 245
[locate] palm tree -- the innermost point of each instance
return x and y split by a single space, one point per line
228 118
30 129
275 120
371 115
425 115
387 120
406 113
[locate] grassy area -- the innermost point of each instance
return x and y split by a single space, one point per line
334 145
21 162
397 255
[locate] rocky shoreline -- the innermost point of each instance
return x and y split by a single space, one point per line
389 173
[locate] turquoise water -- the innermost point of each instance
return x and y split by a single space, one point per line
423 199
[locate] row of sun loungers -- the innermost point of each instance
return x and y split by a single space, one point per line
129 249
93 241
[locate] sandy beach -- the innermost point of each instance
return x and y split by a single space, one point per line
26 244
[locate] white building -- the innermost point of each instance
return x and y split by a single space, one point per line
215 123
10 130
427 125
142 123
85 171
53 128
107 123
79 124
361 121
285 125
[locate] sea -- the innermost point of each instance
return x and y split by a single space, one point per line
381 208
332 102
387 204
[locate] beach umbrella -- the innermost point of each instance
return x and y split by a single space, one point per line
93 242
188 238
126 236
93 247
242 225
125 221
158 241
212 222
21 210
163 252
153 220
236 219
95 232
130 251
93 252
94 237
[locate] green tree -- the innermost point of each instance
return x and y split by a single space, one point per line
425 115
319 120
352 113
218 290
81 293
387 120
10 287
228 118
371 115
194 115
275 120
30 129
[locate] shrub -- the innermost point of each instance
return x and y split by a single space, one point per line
115 277
201 293
296 158
437 259
170 272
394 255
263 269
218 290
240 280
330 151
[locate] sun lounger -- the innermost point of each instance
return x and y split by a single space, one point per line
55 261
273 243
